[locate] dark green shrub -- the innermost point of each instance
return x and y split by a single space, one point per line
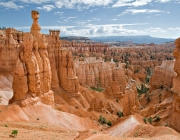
147 79
97 89
145 120
120 114
81 55
102 120
142 90
115 60
14 133
150 120
136 71
109 123
157 118
148 99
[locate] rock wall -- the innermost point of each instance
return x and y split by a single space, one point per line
62 66
9 49
83 47
175 122
163 75
97 73
131 103
146 64
67 75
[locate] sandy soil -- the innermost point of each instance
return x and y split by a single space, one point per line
35 131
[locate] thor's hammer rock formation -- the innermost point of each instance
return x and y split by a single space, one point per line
32 78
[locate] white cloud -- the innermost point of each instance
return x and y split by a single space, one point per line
81 4
11 5
70 17
163 1
116 25
114 19
90 3
105 30
141 2
152 29
135 3
177 28
58 13
138 11
101 31
35 1
46 7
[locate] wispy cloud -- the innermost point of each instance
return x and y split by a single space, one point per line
138 11
70 17
35 1
152 29
135 3
114 19
80 4
177 28
163 1
90 3
58 13
11 5
46 7
116 25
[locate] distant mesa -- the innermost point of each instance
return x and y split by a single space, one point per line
77 39
135 39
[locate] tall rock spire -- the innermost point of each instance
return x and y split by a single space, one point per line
35 26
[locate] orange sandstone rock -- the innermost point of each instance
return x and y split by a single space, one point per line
32 78
130 102
163 75
176 88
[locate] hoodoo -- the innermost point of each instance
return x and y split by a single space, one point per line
32 78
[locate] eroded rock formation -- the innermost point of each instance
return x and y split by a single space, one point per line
97 73
131 103
77 48
163 75
32 78
68 79
176 88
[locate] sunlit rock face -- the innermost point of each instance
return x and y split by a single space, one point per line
10 41
67 75
130 103
32 76
176 88
94 72
163 75
62 65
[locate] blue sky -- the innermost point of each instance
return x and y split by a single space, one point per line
158 18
